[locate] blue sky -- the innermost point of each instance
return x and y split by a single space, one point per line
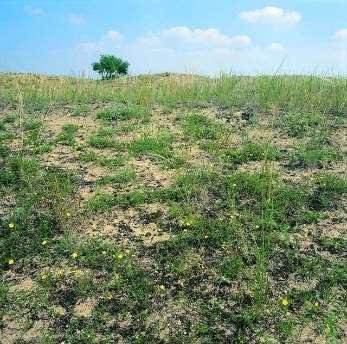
196 36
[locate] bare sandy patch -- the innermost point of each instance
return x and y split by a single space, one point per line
196 157
259 166
334 223
92 172
294 283
24 284
268 135
222 116
38 328
169 319
162 120
149 174
132 136
85 308
124 225
7 202
61 157
87 192
14 329
86 125
308 335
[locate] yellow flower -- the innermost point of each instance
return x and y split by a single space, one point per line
44 276
74 254
162 287
44 242
127 251
78 273
11 225
316 304
285 302
109 296
189 222
59 272
180 283
119 256
206 236
104 253
68 214
10 261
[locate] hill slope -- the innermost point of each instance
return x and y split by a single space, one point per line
172 209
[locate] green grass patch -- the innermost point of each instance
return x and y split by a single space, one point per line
301 125
122 112
314 154
200 127
104 138
67 135
80 110
121 177
252 151
158 148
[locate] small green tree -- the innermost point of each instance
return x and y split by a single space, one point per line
110 67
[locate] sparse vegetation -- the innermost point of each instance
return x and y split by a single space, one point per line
172 209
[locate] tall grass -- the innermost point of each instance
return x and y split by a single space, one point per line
295 93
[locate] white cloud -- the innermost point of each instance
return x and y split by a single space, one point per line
76 19
276 48
341 34
89 47
114 36
149 41
111 40
271 15
175 49
324 2
241 39
211 36
179 37
209 51
35 11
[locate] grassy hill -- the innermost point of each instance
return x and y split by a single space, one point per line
173 209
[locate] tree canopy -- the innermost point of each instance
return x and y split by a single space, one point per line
110 67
